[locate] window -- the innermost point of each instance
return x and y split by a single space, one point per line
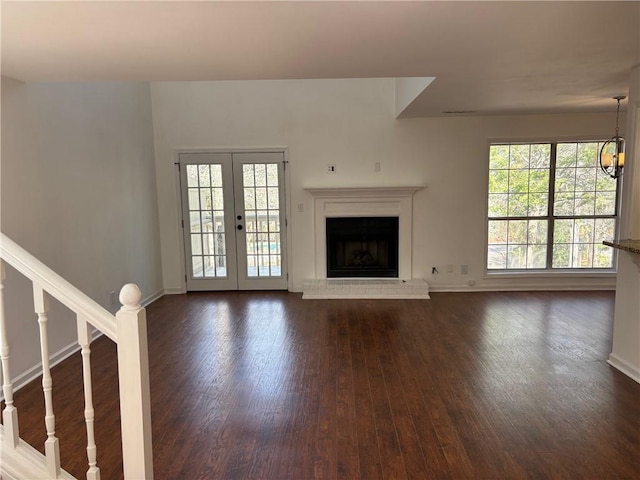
550 207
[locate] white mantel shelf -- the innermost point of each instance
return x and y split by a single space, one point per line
332 192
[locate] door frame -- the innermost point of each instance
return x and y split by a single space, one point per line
178 204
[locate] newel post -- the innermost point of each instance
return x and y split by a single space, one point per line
133 373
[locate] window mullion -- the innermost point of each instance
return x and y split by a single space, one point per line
552 190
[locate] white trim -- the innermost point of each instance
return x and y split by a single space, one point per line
556 273
598 287
149 299
231 150
175 291
535 287
625 367
180 230
355 192
24 461
288 217
275 149
549 139
330 202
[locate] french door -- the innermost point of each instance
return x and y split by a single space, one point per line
233 220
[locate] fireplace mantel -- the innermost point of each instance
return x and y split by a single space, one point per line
339 192
364 202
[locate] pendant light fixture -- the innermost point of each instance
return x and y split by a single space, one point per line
612 152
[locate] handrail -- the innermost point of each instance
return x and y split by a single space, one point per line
57 287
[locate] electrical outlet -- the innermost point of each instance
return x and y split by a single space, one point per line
464 269
450 268
301 207
376 167
331 168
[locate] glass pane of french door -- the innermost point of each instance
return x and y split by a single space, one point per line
233 219
208 225
259 192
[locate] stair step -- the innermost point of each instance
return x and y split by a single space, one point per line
24 461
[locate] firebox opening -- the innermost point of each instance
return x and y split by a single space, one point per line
362 247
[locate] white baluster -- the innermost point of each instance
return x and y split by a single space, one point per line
133 373
51 445
10 413
84 339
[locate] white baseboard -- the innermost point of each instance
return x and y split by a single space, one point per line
152 298
451 288
625 367
174 291
520 288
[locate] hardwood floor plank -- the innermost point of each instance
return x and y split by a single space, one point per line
369 455
391 459
348 464
305 385
436 465
264 385
325 464
436 378
387 345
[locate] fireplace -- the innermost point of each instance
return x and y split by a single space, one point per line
362 247
357 202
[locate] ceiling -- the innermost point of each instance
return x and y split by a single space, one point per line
486 57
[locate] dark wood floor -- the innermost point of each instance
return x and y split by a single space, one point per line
466 385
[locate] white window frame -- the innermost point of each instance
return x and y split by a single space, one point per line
548 270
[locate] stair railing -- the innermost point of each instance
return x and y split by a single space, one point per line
128 329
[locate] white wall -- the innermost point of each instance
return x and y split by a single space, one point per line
625 353
351 123
78 192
